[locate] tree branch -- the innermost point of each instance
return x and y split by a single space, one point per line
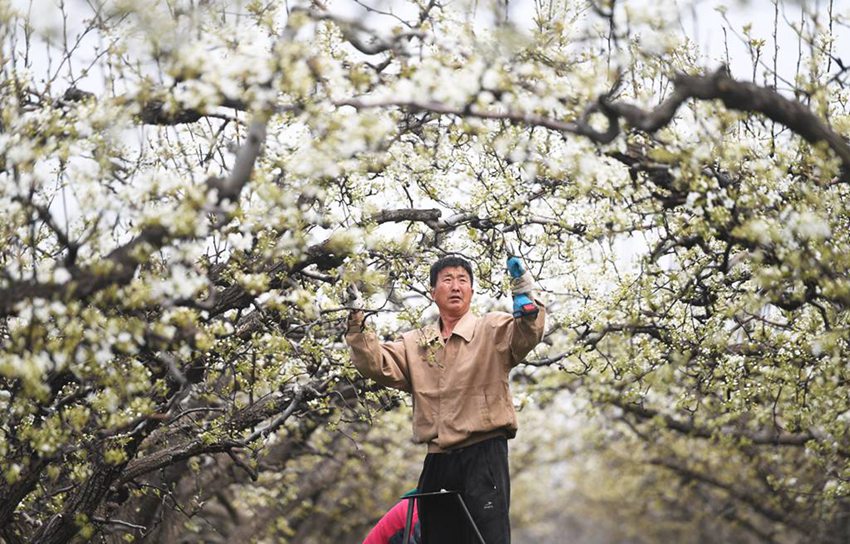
427 216
763 438
736 95
120 265
738 494
153 111
243 419
353 32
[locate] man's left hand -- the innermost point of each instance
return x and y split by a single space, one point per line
522 286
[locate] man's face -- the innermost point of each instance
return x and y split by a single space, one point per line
453 291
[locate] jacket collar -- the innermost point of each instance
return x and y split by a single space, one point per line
465 328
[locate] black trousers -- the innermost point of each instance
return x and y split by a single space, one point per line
480 473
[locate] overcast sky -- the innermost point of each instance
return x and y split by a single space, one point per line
700 19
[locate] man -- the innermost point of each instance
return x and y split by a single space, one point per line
457 373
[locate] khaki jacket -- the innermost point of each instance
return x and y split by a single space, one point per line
460 388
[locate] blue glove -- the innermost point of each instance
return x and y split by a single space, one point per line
515 268
521 286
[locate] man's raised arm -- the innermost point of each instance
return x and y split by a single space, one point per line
386 363
529 314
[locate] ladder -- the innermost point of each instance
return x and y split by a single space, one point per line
408 526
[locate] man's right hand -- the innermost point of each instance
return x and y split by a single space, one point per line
355 302
355 320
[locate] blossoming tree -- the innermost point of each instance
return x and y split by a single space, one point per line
190 187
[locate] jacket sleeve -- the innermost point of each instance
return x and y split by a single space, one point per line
390 528
386 363
525 333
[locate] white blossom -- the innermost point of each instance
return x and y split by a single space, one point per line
809 226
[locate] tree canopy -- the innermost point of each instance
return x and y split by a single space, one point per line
190 187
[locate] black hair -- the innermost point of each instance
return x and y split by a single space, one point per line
449 262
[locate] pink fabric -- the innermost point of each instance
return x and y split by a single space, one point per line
392 523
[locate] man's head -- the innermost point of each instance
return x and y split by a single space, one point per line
451 286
